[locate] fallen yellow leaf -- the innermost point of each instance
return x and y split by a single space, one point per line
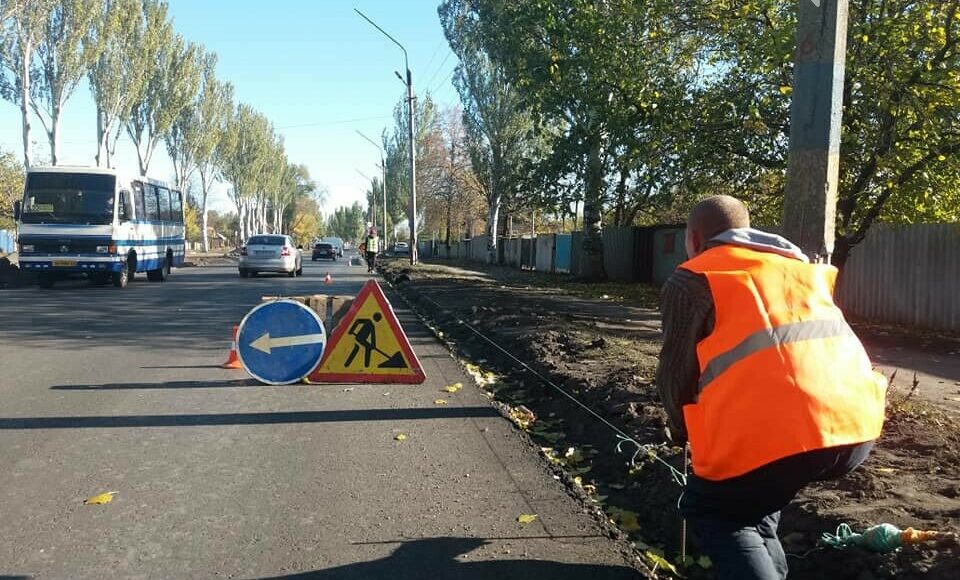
660 562
453 388
526 518
886 470
440 402
100 499
401 437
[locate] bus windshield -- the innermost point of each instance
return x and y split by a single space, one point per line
68 198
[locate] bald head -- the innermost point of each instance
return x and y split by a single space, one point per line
714 215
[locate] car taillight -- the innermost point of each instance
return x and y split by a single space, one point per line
243 251
285 251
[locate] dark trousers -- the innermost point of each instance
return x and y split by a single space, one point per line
735 520
371 261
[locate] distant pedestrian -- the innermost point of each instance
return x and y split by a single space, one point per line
371 245
760 371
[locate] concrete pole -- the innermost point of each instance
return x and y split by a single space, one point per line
413 169
383 234
810 202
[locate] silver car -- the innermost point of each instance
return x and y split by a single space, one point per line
270 253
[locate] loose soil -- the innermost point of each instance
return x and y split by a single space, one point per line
601 344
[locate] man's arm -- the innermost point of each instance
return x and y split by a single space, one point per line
686 308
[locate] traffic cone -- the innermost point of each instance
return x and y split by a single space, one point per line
328 279
233 361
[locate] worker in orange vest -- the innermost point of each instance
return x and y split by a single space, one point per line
764 379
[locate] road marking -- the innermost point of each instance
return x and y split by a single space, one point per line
265 344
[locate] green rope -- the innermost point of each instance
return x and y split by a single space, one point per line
881 538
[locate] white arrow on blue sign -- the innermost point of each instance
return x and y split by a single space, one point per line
280 342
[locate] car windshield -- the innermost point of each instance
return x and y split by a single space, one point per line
68 198
324 247
266 241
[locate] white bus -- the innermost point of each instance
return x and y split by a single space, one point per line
96 222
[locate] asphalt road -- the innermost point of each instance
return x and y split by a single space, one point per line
217 476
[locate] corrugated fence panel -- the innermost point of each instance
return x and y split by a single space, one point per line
561 257
576 253
478 249
618 253
905 274
511 252
528 253
544 260
668 252
7 242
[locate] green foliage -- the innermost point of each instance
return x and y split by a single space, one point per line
116 76
191 220
174 69
11 187
347 223
498 127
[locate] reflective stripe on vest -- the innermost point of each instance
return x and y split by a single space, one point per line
782 372
768 337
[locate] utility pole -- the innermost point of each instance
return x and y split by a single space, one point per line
410 134
809 207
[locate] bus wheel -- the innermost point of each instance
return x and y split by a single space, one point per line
46 280
161 273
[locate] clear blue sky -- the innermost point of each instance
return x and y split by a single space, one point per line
315 68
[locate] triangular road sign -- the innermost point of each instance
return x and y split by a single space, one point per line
368 345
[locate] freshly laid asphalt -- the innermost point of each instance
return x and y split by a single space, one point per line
104 389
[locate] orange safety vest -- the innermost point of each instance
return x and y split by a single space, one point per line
782 372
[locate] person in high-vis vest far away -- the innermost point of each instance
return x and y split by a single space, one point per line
763 378
372 247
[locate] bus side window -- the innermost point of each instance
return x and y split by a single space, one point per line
125 208
164 204
138 201
153 209
176 206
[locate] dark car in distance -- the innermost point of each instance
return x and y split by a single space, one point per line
324 252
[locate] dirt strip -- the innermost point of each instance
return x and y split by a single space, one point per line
605 353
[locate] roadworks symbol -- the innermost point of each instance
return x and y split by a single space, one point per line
368 346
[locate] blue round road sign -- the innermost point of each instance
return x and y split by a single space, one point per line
281 342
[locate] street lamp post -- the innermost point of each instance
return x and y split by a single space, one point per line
383 166
373 198
410 134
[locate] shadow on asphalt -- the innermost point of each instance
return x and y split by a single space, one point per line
275 418
167 385
435 558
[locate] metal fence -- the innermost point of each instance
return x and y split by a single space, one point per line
905 275
898 274
8 242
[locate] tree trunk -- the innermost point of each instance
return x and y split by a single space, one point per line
203 211
592 263
55 135
100 138
619 212
26 50
493 214
449 223
141 161
841 251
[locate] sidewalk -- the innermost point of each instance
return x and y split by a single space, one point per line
605 351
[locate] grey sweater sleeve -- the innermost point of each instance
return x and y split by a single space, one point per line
686 307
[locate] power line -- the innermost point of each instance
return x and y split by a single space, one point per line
340 122
435 52
444 81
439 68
